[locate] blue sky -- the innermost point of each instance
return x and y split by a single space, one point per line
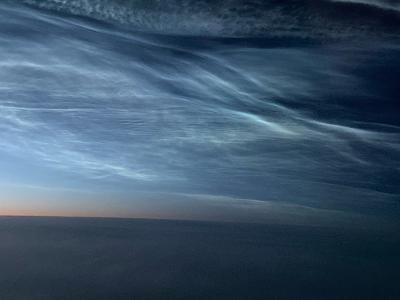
97 121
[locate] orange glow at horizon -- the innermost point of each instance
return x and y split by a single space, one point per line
43 208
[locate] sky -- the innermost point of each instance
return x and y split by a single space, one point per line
387 4
100 120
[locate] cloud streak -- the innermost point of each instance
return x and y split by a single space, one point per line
102 110
237 18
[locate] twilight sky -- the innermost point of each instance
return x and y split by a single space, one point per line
295 126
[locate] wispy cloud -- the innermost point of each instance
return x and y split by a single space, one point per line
107 111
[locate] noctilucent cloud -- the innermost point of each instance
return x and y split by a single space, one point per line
242 112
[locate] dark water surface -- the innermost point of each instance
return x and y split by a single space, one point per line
56 258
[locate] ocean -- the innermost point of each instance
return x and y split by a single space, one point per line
72 258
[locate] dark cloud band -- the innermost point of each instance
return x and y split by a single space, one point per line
238 18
